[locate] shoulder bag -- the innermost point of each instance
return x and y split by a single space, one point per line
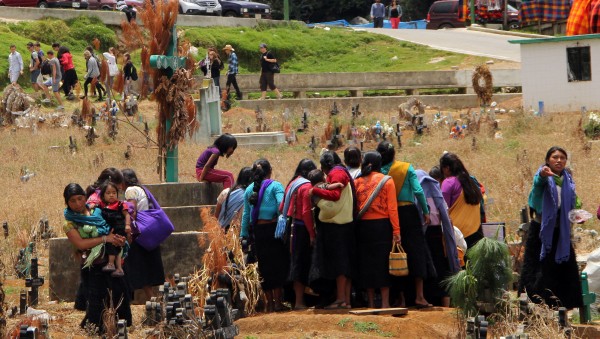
338 212
373 195
153 225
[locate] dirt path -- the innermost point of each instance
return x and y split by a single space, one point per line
435 323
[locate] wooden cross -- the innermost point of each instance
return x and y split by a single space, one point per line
170 62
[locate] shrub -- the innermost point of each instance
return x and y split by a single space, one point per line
47 31
87 34
592 127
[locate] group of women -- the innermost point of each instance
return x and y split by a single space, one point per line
342 230
143 268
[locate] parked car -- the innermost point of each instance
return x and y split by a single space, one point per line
245 8
445 13
106 5
210 7
45 3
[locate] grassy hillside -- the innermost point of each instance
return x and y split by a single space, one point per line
306 50
299 49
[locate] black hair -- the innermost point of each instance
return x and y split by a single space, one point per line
130 178
261 169
50 52
104 186
316 176
471 189
386 149
110 174
352 157
436 173
329 160
225 142
72 189
56 44
371 163
90 48
304 167
63 50
244 179
554 149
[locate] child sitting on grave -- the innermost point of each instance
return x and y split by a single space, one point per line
317 179
116 214
224 146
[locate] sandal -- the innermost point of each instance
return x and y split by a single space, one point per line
338 305
300 308
423 306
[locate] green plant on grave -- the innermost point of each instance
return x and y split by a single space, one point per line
592 127
485 279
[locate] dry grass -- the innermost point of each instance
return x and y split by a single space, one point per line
505 166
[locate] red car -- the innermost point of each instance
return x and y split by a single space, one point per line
45 3
106 5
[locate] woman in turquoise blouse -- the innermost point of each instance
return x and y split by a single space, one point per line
259 221
409 191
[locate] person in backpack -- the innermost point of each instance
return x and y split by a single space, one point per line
130 74
34 67
267 76
55 76
91 75
91 50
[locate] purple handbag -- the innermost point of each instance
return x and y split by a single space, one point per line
153 225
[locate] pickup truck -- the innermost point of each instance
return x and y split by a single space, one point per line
245 9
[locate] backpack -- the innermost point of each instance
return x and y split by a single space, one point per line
39 58
46 67
134 75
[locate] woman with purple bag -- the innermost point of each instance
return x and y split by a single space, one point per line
259 221
144 267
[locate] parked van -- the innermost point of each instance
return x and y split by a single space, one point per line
445 14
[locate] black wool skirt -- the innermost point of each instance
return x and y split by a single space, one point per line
335 251
374 242
273 256
143 267
435 243
420 264
301 253
557 285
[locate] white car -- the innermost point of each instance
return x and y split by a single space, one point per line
210 7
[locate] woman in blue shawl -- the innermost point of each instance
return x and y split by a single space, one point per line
79 221
230 203
550 273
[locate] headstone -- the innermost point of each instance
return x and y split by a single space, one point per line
208 114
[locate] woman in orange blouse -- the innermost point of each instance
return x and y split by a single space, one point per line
377 228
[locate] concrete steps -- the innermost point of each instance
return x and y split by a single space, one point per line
181 253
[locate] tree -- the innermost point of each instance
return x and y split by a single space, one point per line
415 9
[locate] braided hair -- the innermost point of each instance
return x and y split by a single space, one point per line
261 169
304 167
471 189
371 163
243 180
111 174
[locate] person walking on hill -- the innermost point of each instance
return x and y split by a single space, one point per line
15 65
34 67
55 77
232 71
377 14
92 75
267 76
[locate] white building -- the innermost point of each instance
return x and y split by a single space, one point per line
559 74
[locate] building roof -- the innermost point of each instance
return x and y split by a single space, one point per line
555 39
